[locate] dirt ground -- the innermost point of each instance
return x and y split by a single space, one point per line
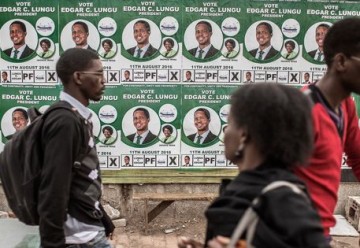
174 222
182 219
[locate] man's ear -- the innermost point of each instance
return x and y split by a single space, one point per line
77 77
340 62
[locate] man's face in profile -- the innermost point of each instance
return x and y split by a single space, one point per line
79 35
140 121
17 35
93 84
141 34
18 120
200 121
202 34
263 35
320 35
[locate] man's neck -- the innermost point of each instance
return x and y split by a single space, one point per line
17 46
140 132
77 95
202 132
332 89
204 45
142 45
81 46
262 47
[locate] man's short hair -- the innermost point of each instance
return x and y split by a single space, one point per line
168 127
231 41
187 157
72 60
248 73
46 41
111 131
342 37
5 72
108 41
207 24
267 25
291 43
188 72
23 112
307 74
205 111
146 112
83 24
21 24
145 23
170 41
127 157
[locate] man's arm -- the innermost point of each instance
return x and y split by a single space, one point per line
352 139
61 141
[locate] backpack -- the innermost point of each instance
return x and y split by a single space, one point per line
20 166
250 218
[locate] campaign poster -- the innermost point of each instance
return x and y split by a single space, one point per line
29 42
151 41
16 100
91 25
205 110
106 120
212 44
150 126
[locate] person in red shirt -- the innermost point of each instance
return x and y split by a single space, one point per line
335 121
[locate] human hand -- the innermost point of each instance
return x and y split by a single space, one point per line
185 242
223 242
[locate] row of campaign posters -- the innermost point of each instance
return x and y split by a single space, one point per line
171 88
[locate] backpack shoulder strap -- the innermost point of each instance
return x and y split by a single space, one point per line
250 218
85 136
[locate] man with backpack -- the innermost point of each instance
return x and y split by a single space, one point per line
70 213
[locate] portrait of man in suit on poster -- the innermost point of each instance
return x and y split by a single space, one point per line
18 33
202 120
203 33
320 33
141 119
265 50
143 48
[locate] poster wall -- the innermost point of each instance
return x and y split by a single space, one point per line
170 67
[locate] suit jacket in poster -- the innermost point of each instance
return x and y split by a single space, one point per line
27 52
149 52
210 137
272 53
149 137
212 51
